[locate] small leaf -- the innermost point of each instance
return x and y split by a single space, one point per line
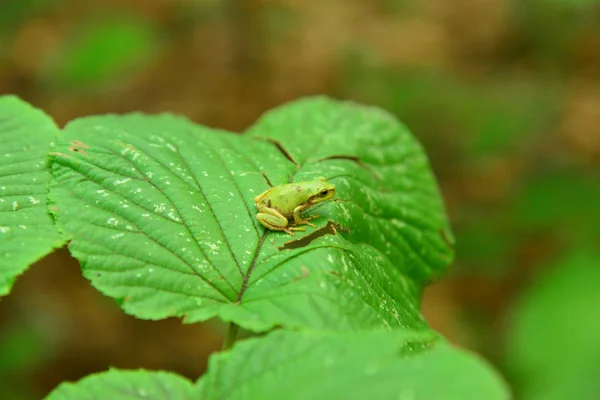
163 219
365 365
27 232
126 385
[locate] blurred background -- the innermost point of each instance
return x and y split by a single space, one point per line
503 94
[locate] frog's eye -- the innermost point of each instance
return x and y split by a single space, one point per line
324 192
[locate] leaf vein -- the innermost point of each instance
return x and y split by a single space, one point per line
196 272
183 224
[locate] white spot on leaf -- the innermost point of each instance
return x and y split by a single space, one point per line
112 221
121 181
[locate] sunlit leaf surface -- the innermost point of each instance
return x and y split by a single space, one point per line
162 216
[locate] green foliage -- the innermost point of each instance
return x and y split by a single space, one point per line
22 348
483 241
478 119
102 50
553 349
310 365
162 217
567 200
160 214
127 385
347 366
27 232
567 4
15 12
19 349
500 119
552 29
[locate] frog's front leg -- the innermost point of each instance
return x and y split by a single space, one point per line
298 220
274 220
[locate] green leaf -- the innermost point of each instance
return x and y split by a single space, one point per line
553 350
22 348
162 216
380 365
27 232
101 50
126 385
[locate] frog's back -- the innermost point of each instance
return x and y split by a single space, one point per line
285 198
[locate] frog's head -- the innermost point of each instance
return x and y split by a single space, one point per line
323 191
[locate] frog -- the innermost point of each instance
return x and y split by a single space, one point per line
279 207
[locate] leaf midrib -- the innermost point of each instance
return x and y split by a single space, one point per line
183 222
197 273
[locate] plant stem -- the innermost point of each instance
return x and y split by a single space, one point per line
232 332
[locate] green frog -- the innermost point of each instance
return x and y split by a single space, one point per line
279 207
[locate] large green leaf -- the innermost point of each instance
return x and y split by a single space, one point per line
310 365
27 232
127 385
353 365
162 217
553 350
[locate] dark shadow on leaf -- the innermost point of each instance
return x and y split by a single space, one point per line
330 229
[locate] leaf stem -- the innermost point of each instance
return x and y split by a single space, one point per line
232 332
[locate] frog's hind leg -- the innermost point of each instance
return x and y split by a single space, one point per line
275 221
290 229
271 222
